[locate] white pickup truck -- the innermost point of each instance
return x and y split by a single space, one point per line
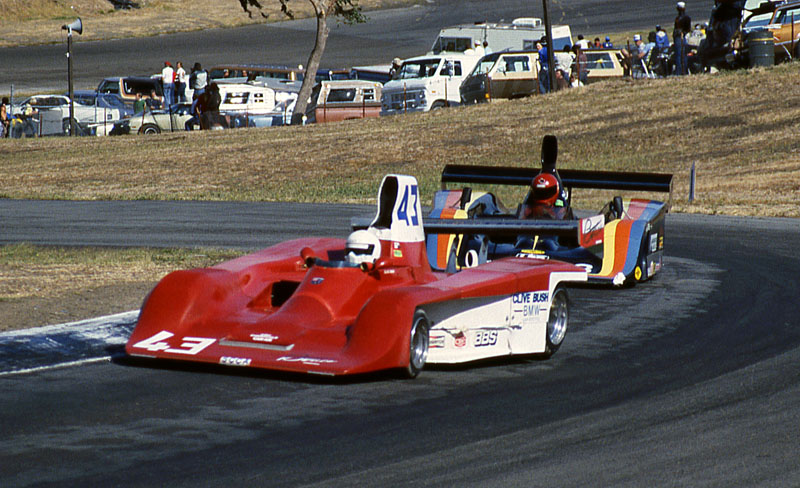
428 82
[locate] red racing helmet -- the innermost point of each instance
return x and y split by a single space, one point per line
544 189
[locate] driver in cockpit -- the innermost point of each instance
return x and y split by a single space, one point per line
362 246
544 200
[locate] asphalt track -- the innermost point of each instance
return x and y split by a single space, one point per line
399 32
688 380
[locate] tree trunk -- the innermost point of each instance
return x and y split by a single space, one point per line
322 9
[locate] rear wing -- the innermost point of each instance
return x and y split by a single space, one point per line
502 227
572 178
490 226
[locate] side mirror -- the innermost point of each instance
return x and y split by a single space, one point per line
308 257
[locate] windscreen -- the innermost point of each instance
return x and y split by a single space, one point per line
423 68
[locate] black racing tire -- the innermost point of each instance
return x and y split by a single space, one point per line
419 341
65 126
149 129
557 321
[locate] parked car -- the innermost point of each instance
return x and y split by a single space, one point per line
156 121
85 115
507 74
102 101
333 101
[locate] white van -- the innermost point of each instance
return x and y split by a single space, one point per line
520 35
428 82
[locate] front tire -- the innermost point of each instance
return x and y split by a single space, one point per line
418 344
557 322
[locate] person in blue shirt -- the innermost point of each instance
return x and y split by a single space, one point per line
608 44
544 70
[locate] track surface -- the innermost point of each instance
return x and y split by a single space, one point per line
688 380
400 32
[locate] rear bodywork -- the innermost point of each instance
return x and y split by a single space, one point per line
300 306
623 243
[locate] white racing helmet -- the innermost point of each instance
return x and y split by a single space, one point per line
362 247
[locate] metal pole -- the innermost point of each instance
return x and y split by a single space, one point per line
692 176
550 47
69 78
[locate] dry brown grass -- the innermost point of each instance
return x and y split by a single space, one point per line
39 21
41 285
740 130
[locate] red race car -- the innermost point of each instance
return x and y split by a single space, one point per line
371 302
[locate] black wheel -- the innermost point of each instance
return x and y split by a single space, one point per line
437 105
418 344
65 126
149 129
557 322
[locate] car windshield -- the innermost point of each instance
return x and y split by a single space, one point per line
484 65
110 101
419 69
599 60
759 20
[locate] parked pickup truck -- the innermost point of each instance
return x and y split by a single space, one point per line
428 82
335 100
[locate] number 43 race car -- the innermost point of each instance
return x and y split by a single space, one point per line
371 302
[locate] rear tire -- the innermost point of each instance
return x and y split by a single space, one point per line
149 129
418 344
437 105
557 322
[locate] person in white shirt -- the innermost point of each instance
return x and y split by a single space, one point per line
180 83
168 82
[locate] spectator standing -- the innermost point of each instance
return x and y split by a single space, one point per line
168 83
139 105
180 83
608 44
581 70
5 121
544 68
583 43
683 25
198 80
597 44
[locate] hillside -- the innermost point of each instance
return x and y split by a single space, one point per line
740 130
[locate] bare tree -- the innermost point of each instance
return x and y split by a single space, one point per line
346 10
